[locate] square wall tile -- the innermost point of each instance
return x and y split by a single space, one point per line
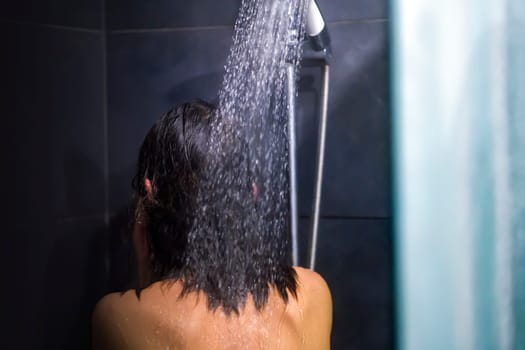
148 74
56 276
78 13
137 14
75 279
355 258
357 158
55 129
345 10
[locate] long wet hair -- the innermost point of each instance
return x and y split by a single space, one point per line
189 239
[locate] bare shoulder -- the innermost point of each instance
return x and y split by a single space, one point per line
312 284
109 319
113 304
316 302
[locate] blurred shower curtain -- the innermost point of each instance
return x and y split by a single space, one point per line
459 156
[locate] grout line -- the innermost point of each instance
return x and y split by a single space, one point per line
54 26
351 217
105 110
105 116
85 217
198 28
167 29
360 20
218 27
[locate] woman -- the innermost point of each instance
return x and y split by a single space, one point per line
203 285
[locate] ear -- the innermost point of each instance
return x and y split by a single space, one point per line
255 191
149 190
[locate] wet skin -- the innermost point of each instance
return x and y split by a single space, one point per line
162 320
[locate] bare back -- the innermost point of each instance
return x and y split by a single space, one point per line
162 320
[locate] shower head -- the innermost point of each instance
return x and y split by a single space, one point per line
316 29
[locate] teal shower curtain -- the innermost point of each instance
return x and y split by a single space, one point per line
458 88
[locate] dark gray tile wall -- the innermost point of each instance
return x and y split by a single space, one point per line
55 132
86 14
54 184
167 52
56 275
75 278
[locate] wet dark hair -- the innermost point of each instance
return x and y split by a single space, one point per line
228 269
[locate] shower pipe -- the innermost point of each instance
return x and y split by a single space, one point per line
316 210
320 41
294 217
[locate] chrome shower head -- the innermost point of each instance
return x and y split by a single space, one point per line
316 29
